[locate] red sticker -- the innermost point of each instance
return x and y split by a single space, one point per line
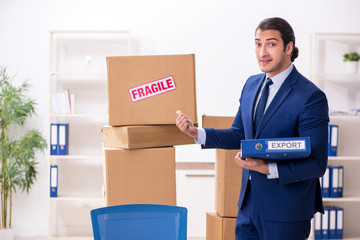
152 89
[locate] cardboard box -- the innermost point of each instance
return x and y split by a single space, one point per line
149 89
227 183
219 228
132 137
140 176
217 122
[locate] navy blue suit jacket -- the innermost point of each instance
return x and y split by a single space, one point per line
299 109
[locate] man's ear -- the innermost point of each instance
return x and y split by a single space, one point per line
289 47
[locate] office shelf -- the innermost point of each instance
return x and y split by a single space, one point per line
328 71
78 66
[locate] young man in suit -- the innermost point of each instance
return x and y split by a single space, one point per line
277 200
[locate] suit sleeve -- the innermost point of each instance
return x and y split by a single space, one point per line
313 122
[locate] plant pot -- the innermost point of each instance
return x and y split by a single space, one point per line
7 234
352 67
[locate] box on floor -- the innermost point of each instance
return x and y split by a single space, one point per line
219 228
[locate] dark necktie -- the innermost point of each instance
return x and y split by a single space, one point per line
262 103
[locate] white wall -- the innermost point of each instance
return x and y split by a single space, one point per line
220 33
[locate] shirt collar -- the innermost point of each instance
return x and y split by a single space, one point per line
280 78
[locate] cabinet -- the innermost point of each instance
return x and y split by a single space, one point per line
328 71
78 66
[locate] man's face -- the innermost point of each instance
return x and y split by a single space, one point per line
270 53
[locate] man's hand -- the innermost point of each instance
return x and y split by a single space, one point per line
186 125
254 164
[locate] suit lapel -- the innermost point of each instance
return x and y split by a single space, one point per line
280 96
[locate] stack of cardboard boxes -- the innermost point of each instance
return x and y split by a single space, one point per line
220 225
144 94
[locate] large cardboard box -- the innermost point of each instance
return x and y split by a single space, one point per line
219 228
149 89
227 183
140 176
217 122
146 136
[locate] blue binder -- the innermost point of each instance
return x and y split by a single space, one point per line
54 139
325 224
317 225
334 181
63 138
341 181
333 140
325 184
53 181
332 223
276 148
339 223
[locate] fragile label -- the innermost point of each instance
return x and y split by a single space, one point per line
286 145
152 89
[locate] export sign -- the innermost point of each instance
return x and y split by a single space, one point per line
152 89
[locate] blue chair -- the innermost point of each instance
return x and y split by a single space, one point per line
139 222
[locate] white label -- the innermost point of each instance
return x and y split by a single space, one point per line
332 219
152 89
286 145
62 135
340 219
335 177
53 181
334 136
54 134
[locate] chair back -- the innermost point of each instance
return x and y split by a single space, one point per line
139 222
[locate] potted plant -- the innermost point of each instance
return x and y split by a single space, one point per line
17 154
351 60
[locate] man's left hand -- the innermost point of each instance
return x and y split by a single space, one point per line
254 164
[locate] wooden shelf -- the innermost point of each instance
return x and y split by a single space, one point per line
76 156
78 115
343 199
78 198
344 158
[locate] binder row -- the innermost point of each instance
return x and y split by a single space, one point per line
333 140
330 224
332 183
63 102
59 138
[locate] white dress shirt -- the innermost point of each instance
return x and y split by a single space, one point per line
273 89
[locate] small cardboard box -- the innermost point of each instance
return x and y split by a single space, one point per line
219 228
146 136
140 176
227 183
217 122
149 89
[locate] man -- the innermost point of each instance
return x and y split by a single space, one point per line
277 200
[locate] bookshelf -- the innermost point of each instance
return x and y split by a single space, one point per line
77 63
328 71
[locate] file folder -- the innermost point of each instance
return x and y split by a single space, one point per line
63 138
332 223
334 181
53 181
325 224
333 140
54 138
325 184
339 223
317 225
276 148
341 181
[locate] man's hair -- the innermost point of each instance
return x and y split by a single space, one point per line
286 32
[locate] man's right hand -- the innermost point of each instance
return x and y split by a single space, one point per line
186 125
